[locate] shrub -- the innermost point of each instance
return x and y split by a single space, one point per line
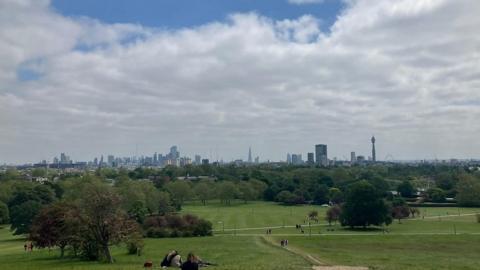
176 226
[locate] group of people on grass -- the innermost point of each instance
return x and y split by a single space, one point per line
173 259
28 246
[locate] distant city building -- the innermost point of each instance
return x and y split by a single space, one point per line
174 154
374 154
353 157
310 158
360 159
257 160
110 160
297 159
198 160
205 161
321 154
250 155
289 158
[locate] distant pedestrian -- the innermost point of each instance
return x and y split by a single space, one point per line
25 246
286 242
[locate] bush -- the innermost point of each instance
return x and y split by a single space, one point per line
135 244
176 226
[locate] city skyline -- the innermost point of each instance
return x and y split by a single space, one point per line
279 76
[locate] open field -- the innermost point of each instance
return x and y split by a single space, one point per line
393 252
437 239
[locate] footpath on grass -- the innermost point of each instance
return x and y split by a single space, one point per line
316 263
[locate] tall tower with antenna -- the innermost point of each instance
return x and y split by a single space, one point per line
250 155
374 156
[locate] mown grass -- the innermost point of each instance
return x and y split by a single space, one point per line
394 252
402 247
228 252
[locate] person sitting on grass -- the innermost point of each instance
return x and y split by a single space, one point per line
192 262
172 259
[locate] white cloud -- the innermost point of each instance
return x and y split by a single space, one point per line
406 71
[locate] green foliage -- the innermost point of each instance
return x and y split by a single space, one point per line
335 195
468 191
406 189
39 172
286 197
226 191
21 216
204 191
180 191
4 213
364 206
436 195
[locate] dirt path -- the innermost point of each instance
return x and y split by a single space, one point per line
317 264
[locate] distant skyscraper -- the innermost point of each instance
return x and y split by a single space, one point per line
250 155
205 161
110 160
257 160
321 154
374 154
174 154
353 157
289 158
63 158
198 160
310 158
297 159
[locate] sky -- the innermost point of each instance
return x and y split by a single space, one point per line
215 77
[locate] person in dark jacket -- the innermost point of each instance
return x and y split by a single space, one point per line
191 263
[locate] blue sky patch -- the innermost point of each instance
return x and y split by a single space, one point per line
174 14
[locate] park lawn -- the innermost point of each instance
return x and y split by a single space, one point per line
255 217
252 214
228 252
393 252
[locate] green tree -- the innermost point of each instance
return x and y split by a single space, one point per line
39 172
364 206
164 203
468 191
436 195
21 216
335 195
4 214
179 191
203 192
246 191
406 189
286 197
107 222
226 191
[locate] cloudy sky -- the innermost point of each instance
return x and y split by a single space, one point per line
215 77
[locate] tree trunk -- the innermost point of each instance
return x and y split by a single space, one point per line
62 251
106 252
